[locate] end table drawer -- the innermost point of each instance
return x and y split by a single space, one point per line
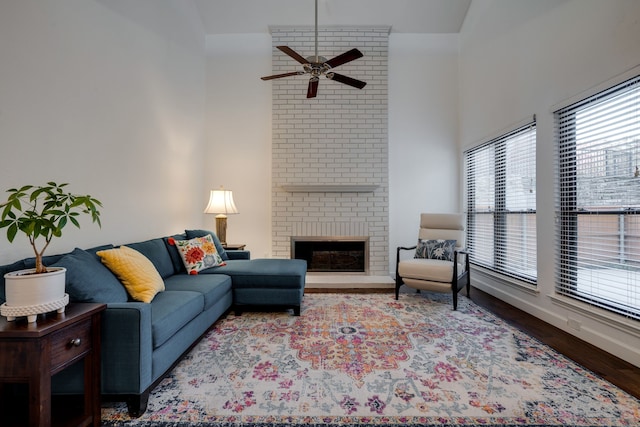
70 343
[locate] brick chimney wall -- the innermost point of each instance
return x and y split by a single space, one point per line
338 139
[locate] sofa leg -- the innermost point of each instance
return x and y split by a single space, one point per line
296 310
137 404
236 310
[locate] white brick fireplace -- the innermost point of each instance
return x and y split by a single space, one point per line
330 153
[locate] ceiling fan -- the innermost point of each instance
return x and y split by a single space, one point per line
317 66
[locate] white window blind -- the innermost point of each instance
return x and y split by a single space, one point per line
501 203
599 199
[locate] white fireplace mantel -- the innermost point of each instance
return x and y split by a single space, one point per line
330 188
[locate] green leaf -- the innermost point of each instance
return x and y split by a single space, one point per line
6 211
11 232
78 201
16 204
36 193
33 228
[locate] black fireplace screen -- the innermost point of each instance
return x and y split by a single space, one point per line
331 256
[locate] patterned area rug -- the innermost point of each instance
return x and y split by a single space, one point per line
367 359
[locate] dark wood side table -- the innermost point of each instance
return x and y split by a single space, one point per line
234 246
32 352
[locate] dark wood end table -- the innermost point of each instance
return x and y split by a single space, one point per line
234 246
32 352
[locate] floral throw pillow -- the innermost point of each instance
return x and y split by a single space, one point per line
199 253
436 249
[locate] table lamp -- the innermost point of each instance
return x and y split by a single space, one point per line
221 203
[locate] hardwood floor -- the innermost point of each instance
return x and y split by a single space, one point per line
613 369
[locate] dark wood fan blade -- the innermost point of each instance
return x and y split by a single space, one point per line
312 90
346 80
292 53
344 58
278 76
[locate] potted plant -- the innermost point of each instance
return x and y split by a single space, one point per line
41 213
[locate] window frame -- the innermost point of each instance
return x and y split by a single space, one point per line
500 264
569 210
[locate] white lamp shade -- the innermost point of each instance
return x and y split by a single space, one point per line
221 202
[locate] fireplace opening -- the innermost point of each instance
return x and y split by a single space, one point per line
332 254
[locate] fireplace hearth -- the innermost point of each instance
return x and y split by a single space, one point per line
332 254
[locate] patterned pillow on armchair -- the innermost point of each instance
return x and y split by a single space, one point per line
436 249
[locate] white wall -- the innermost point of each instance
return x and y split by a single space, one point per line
238 135
108 96
519 58
423 146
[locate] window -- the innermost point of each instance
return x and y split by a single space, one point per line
501 204
598 178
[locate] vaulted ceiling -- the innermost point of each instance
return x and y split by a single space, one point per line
404 16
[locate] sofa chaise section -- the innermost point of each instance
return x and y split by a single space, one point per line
265 282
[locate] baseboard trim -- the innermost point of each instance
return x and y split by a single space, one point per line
348 291
347 281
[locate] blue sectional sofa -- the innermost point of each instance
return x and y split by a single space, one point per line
141 342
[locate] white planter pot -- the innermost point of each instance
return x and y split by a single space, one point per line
29 294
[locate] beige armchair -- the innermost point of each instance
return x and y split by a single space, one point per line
441 242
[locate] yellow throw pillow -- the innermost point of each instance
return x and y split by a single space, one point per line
138 275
